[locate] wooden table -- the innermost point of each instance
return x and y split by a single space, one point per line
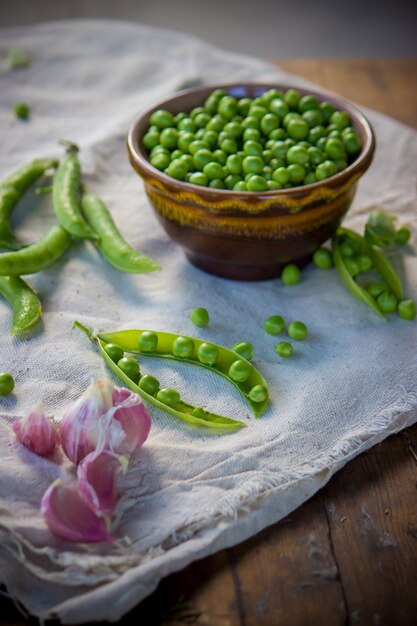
349 555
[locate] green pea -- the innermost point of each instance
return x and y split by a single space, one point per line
148 341
276 163
267 172
243 105
160 161
180 116
183 347
212 102
6 384
256 183
334 148
202 157
310 178
279 107
284 349
297 330
231 180
21 110
162 119
251 134
252 148
258 111
187 124
352 143
216 123
387 302
240 370
233 129
273 185
279 149
291 274
313 118
325 170
196 145
320 143
228 107
341 118
252 165
272 94
234 164
298 128
281 175
167 396
184 140
323 258
211 137
114 351
292 98
149 384
199 317
150 139
214 170
298 154
199 412
274 325
251 122
229 146
278 134
188 161
240 186
201 119
297 172
352 266
307 103
177 154
365 262
341 164
402 235
269 122
198 178
169 138
244 348
347 249
375 289
177 169
407 309
258 393
327 109
217 183
207 353
129 367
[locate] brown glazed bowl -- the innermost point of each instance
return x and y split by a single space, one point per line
248 235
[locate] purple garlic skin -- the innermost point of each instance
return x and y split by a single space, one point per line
97 481
37 432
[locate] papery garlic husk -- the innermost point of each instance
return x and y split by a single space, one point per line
70 517
104 418
80 427
97 480
37 432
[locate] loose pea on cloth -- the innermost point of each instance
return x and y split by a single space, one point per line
188 492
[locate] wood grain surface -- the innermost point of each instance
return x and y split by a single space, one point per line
348 556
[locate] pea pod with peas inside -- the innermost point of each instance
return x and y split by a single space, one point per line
26 306
111 243
11 191
66 195
167 400
192 350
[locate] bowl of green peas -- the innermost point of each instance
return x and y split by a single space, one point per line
250 177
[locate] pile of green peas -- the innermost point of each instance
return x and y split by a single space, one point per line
277 140
275 325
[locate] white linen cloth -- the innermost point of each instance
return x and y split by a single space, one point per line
188 492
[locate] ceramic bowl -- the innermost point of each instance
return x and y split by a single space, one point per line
248 235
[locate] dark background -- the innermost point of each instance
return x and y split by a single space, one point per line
265 28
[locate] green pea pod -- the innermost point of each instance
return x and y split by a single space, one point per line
11 190
129 340
38 255
66 188
27 309
382 265
182 410
355 289
111 243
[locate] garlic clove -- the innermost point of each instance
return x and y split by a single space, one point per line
70 517
37 432
97 480
133 417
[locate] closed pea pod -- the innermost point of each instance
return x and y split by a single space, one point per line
111 243
12 189
26 306
66 195
37 256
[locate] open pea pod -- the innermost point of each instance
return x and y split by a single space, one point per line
355 289
382 265
212 356
186 412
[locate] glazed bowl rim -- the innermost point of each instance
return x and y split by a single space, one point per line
139 159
